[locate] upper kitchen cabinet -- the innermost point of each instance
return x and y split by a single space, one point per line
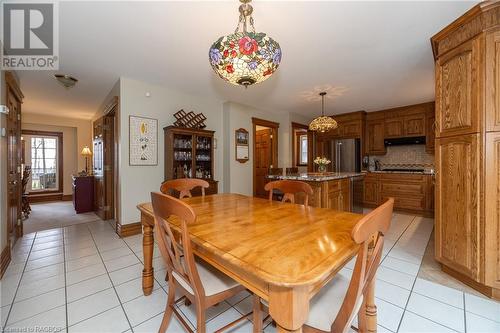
350 125
492 74
458 86
406 121
468 147
394 127
375 131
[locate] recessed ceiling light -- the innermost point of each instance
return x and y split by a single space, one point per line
66 80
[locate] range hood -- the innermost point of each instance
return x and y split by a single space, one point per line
418 140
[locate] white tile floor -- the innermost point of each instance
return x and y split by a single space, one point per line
84 278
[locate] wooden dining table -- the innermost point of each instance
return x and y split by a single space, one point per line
285 253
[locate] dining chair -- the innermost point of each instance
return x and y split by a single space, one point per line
289 188
184 186
292 171
196 280
334 307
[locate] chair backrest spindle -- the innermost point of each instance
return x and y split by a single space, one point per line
184 186
289 188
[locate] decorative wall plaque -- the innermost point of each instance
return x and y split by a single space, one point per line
242 147
143 141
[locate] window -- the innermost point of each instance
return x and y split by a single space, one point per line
44 164
302 149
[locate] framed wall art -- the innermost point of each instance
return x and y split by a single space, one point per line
143 141
242 145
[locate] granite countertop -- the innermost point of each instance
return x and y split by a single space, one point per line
317 176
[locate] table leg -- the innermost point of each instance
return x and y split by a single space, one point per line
289 307
371 308
147 249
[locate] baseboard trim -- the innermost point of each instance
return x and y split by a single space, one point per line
67 197
4 259
34 198
129 229
483 289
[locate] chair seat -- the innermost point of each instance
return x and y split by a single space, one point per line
213 280
325 306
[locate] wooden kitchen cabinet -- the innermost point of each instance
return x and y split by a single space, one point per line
430 124
339 197
394 127
408 190
468 148
492 100
334 194
492 213
457 210
352 129
375 132
414 125
371 190
411 192
458 75
406 121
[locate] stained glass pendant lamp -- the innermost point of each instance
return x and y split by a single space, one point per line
323 123
245 57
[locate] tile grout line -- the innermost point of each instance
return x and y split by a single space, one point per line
397 240
414 280
18 285
97 314
112 283
435 322
65 283
465 313
142 263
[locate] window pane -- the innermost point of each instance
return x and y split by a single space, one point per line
50 143
50 153
44 163
36 142
303 149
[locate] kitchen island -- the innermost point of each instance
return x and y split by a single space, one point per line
335 190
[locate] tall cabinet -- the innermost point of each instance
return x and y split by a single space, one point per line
467 146
189 153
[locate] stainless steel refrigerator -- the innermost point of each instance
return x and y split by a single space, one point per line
347 154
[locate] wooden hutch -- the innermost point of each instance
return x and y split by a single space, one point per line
189 153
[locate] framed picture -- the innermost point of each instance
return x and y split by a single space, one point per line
143 141
242 148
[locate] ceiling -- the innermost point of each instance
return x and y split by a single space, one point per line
367 55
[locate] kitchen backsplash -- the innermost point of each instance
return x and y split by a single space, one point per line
404 156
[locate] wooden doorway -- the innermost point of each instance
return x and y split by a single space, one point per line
105 159
265 152
14 98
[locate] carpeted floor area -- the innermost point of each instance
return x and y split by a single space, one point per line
57 214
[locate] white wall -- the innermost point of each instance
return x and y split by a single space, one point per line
239 176
137 182
70 150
